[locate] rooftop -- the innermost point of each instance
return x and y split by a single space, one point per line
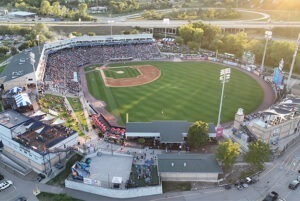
170 131
22 13
40 137
20 64
286 110
11 118
181 162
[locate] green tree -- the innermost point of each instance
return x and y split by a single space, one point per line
227 152
186 32
3 50
82 9
46 8
198 134
13 50
56 9
141 140
259 152
281 49
91 34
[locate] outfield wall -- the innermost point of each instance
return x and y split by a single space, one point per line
114 193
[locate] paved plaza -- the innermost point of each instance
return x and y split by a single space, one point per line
106 166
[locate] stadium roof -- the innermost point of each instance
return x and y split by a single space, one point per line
20 64
192 163
169 131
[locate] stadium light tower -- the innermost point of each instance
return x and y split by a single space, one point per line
224 77
32 61
166 22
289 84
268 36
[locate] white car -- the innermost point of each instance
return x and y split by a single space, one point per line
5 184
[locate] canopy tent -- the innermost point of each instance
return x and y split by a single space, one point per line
38 113
47 117
40 130
58 121
15 90
22 99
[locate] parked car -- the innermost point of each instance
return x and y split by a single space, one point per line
1 177
40 177
59 165
298 178
5 184
21 199
250 180
272 196
227 186
294 185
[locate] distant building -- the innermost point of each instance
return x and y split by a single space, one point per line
97 9
36 144
280 121
188 167
19 72
167 132
21 14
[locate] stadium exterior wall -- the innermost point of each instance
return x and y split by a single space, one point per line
114 193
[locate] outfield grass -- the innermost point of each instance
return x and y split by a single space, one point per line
185 91
126 72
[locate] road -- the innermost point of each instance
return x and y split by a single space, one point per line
158 24
276 177
260 22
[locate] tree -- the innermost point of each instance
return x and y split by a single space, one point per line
141 140
3 50
82 9
13 50
186 32
259 152
46 8
91 34
198 134
227 152
56 9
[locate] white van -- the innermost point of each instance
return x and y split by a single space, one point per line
5 184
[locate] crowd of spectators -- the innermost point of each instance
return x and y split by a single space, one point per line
109 131
61 65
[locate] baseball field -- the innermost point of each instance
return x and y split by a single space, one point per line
180 91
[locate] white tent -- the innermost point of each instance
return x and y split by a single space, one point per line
58 121
38 113
22 100
39 130
47 117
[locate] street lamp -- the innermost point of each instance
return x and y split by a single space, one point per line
38 42
111 22
293 62
166 22
268 36
224 77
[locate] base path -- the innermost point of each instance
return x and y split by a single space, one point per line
148 74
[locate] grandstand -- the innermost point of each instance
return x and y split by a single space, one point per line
62 58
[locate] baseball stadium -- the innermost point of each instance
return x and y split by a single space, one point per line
128 76
125 79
